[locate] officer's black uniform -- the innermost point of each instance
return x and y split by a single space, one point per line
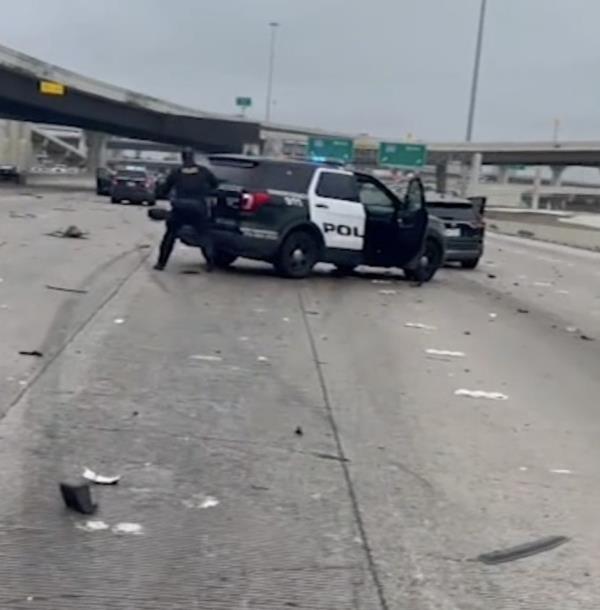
191 184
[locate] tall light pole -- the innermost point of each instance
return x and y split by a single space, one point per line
475 81
273 25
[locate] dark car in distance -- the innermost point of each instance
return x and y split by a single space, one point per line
133 184
104 180
464 227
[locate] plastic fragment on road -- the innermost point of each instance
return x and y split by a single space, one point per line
561 471
572 329
206 358
119 321
563 292
93 526
35 353
99 479
445 352
523 550
493 316
586 338
201 501
419 326
388 292
298 431
263 359
286 319
382 282
209 502
128 528
522 310
481 394
78 498
542 284
63 289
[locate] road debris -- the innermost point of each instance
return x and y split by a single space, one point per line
586 338
263 359
93 526
206 358
522 550
201 501
491 276
286 320
419 326
329 456
71 232
542 284
388 292
119 321
312 312
63 289
563 292
493 316
34 353
561 471
521 310
99 479
481 394
381 282
525 233
128 528
13 214
299 431
572 329
444 352
78 498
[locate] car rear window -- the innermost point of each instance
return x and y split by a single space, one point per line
454 211
290 177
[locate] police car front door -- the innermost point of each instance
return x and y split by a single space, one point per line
336 210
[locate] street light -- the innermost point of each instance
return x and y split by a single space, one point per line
475 81
273 25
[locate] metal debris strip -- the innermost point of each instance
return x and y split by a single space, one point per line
35 353
444 352
63 289
481 394
99 479
523 550
419 326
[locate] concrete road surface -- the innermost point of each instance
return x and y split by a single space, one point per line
292 444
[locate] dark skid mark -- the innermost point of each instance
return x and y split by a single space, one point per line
522 550
34 352
62 289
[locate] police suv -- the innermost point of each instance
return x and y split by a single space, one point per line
296 214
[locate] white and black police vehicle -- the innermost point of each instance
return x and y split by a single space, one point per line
296 214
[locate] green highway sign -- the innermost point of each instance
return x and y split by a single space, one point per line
331 149
402 155
243 102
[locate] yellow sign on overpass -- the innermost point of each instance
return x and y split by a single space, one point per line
48 87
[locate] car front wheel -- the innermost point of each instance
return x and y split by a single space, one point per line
298 254
431 260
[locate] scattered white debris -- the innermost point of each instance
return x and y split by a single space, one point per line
561 471
493 316
523 469
481 394
388 292
93 526
562 292
201 501
381 281
243 339
260 310
542 284
206 358
286 319
4 306
23 382
316 496
263 359
444 352
90 475
419 325
119 321
572 329
128 528
30 598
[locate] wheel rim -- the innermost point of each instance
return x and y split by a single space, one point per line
299 255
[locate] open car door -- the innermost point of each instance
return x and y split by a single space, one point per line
412 222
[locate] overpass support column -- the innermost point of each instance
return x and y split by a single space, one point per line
441 177
474 174
96 150
557 173
16 147
537 184
503 174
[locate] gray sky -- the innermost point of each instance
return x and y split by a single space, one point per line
385 67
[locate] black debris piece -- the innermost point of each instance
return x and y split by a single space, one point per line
467 332
522 550
586 338
329 456
521 310
63 289
71 232
78 498
34 353
516 284
311 312
259 487
21 214
525 233
299 431
491 276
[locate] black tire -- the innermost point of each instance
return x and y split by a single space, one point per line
470 264
222 259
298 254
151 203
431 260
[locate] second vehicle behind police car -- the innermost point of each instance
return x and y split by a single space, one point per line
296 214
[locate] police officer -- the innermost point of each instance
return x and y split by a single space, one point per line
189 186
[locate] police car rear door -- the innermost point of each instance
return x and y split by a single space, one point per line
336 210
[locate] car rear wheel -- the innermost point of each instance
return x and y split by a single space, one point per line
470 264
431 260
298 254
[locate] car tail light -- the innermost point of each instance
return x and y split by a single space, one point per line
251 202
